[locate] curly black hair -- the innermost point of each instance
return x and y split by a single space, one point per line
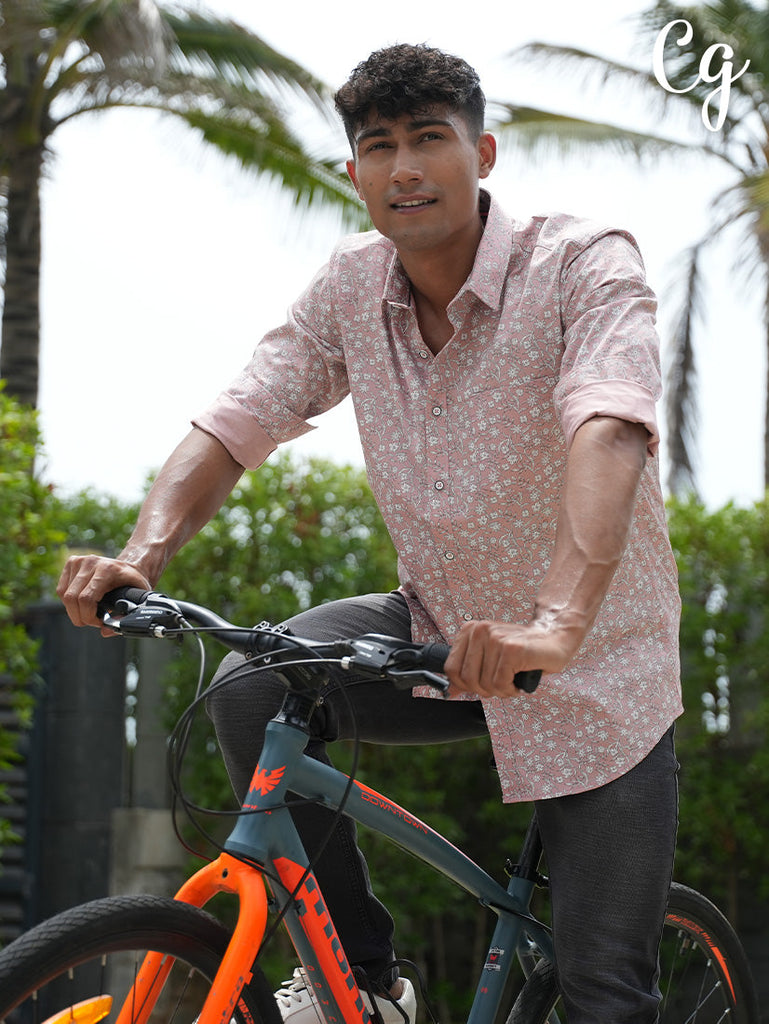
410 79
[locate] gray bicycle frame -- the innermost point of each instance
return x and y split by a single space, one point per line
264 837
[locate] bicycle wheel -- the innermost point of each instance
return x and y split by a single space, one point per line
79 965
704 973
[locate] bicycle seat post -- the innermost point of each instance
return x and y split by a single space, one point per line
528 861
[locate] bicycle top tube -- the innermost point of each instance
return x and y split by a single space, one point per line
283 766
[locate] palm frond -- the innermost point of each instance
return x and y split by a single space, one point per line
722 23
271 150
753 191
229 99
534 129
129 34
747 203
732 209
124 33
591 65
207 46
681 409
216 75
596 70
739 24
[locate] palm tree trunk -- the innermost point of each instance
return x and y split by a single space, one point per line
20 340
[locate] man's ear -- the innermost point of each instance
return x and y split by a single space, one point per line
352 172
487 154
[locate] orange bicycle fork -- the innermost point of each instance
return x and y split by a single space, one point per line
308 923
225 874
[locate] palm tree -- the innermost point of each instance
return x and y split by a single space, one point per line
741 142
61 59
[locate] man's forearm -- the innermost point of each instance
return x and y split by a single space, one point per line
190 489
605 464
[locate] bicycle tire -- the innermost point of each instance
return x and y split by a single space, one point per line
705 977
94 950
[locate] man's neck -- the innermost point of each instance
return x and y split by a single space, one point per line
434 283
436 276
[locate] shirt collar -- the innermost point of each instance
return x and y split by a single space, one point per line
492 260
490 268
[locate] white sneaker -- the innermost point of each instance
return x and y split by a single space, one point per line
298 1005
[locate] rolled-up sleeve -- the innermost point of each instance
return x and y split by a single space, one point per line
296 372
611 364
622 399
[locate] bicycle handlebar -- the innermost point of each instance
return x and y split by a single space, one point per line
147 613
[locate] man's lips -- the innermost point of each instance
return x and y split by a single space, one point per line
412 204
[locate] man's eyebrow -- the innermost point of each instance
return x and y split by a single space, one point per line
378 131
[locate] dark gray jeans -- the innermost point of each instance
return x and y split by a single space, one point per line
609 851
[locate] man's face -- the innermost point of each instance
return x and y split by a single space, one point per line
418 175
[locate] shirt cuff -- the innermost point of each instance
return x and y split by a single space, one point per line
242 435
622 399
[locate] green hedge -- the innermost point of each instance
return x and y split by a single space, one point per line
29 560
723 562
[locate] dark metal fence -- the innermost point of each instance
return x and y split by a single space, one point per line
71 776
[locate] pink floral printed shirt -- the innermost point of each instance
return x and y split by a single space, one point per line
466 452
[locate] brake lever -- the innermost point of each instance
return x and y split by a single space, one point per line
425 677
146 619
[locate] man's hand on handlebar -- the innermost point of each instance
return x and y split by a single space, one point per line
84 581
486 657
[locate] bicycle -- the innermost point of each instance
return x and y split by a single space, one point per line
184 963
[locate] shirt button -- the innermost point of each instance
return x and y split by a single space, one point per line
439 485
449 555
437 410
467 617
423 355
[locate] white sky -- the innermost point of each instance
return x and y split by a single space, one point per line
163 265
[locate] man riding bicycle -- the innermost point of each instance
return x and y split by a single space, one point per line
504 375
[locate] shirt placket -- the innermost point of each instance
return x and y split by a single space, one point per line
437 413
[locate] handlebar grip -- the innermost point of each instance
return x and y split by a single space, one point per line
433 658
528 681
133 594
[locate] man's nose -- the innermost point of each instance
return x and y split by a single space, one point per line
406 166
